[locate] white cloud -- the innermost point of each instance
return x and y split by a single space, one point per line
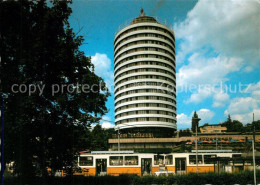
220 37
202 76
201 94
242 108
220 99
228 27
106 122
242 105
256 95
252 87
107 125
103 69
202 70
205 115
104 125
183 119
248 69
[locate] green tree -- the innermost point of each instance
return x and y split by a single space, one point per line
100 138
233 126
39 48
229 120
237 126
185 133
257 125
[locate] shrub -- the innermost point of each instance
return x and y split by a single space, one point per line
245 177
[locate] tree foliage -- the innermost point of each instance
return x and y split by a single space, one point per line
185 133
99 138
38 47
236 126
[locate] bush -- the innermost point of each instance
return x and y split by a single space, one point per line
245 177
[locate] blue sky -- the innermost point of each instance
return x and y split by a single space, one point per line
217 52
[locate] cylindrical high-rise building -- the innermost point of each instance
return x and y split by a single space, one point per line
144 75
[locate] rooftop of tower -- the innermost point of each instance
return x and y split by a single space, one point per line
143 18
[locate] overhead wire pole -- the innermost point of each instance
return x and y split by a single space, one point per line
197 170
253 143
118 137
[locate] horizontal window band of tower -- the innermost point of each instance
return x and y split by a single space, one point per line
146 54
159 103
143 85
145 34
154 76
145 119
147 58
155 96
138 27
138 48
134 98
152 107
158 70
145 116
143 64
138 112
146 89
153 41
168 85
140 75
150 91
145 41
144 106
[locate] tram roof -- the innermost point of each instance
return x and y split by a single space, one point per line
212 151
112 152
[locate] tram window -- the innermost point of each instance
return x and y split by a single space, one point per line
86 161
257 162
131 160
158 159
168 159
248 162
236 155
208 159
116 160
192 159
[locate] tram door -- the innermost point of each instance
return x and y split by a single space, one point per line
146 166
101 167
180 165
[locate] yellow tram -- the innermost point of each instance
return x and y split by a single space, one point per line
128 162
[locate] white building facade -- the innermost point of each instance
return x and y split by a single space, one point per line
144 75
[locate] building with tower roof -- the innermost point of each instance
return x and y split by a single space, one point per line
145 78
195 122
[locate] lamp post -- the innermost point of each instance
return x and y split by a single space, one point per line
253 143
216 142
197 169
118 137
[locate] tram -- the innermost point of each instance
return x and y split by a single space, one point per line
127 162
